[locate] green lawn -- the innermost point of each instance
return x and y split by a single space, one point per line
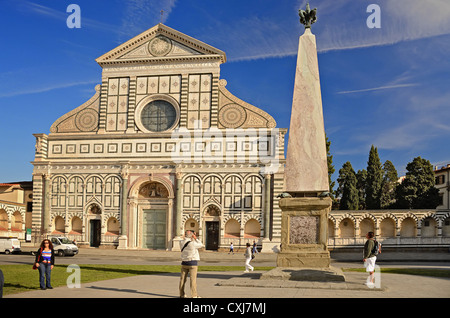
22 278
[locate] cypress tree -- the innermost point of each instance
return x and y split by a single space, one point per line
330 167
347 188
374 180
361 178
389 185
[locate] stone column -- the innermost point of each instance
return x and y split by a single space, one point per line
123 238
47 196
179 196
267 193
179 213
123 212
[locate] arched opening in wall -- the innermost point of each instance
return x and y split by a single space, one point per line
446 227
17 221
94 227
408 228
365 226
232 229
429 227
76 226
112 226
346 228
59 225
153 198
3 220
191 225
330 228
387 228
252 229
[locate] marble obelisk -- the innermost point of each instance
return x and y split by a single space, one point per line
305 205
306 169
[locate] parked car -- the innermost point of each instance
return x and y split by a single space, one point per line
63 246
9 245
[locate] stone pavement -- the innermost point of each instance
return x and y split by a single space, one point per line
238 284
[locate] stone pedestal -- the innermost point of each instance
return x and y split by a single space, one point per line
268 246
176 243
304 252
123 245
304 232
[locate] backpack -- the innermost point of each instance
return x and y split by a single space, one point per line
376 248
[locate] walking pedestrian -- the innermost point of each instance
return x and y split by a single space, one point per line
189 262
255 248
369 258
45 260
248 257
231 248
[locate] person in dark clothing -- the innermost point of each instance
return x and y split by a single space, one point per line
2 282
369 257
45 260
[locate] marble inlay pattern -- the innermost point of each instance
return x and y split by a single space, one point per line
303 229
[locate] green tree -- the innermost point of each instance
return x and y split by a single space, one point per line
331 169
374 180
417 190
388 186
361 178
347 188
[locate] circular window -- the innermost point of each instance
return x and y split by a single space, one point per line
158 115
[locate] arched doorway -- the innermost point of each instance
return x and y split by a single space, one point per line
94 214
153 198
212 225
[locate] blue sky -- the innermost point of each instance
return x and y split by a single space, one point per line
388 87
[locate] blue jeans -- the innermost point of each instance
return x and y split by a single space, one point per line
45 270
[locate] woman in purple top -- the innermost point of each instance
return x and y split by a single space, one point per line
45 260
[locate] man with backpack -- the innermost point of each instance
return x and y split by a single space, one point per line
371 250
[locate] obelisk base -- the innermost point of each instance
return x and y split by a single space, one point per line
304 232
308 259
304 252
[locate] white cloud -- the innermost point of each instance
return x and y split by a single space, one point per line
377 88
341 25
46 88
140 15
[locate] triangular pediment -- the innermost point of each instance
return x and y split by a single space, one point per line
159 44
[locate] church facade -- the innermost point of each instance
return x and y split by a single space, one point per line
161 147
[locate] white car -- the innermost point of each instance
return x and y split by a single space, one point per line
63 246
9 245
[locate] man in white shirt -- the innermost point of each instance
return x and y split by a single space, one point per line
189 262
